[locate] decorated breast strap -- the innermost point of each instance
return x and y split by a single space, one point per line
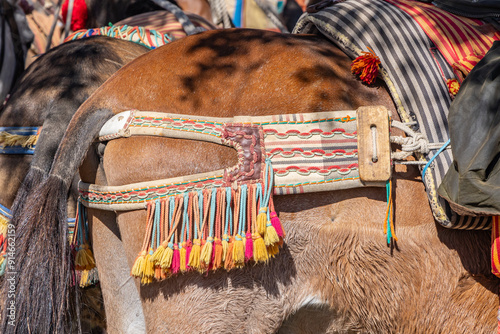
226 218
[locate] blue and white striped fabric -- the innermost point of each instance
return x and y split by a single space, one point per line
414 71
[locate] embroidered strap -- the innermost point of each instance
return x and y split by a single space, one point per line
308 152
140 35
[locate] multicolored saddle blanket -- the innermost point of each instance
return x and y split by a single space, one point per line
415 72
462 41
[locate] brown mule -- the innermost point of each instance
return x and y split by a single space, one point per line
335 272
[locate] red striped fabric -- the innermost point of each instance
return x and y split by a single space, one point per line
165 23
463 42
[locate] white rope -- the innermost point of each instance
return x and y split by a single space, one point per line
415 142
220 13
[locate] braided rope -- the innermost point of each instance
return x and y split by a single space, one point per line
415 142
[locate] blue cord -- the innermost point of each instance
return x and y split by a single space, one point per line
432 159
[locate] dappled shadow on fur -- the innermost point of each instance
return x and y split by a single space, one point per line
470 247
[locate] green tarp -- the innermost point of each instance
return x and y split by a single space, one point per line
472 183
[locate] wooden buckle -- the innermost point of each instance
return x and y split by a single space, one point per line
374 161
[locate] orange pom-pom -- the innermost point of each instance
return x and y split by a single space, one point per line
366 66
453 86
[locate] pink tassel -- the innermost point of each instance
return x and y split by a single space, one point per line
189 246
248 247
275 221
176 260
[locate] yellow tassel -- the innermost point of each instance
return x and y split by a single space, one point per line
168 254
183 257
206 252
238 252
273 249
262 221
146 280
271 237
148 266
84 279
194 256
259 249
84 259
3 225
225 246
158 254
90 259
138 265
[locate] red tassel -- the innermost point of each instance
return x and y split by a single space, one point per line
366 66
176 260
248 247
275 221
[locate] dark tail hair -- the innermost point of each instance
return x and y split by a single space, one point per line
37 280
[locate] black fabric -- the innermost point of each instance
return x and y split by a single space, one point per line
471 8
472 183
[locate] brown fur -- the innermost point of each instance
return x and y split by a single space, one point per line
335 273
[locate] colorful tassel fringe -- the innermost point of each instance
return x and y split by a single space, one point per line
366 66
84 262
210 229
389 230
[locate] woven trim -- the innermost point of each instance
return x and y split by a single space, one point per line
18 140
140 35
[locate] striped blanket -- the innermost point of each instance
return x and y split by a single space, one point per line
463 42
413 70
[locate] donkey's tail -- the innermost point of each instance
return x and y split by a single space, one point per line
37 279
